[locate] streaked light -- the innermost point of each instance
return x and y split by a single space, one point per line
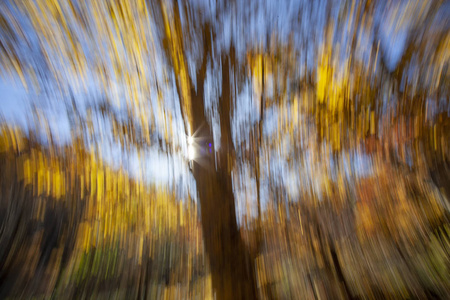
190 140
191 152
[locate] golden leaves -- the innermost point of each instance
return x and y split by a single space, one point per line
176 53
331 87
114 202
115 37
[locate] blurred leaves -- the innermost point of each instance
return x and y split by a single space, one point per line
100 226
322 130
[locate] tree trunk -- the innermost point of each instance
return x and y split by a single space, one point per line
232 268
231 265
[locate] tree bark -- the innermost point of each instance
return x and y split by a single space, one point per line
231 265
